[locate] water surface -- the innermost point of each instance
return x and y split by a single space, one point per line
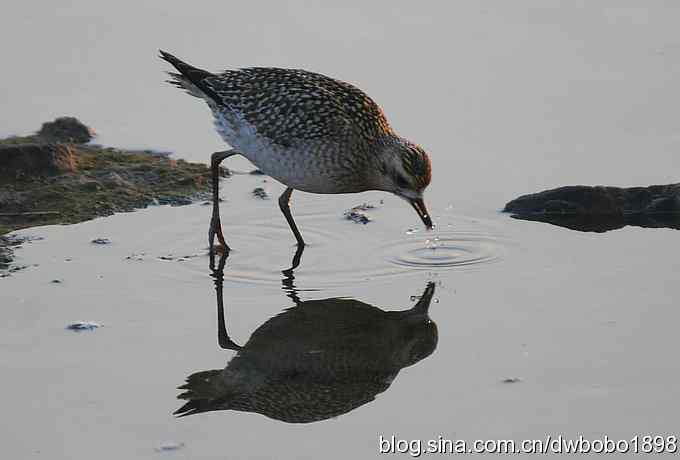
507 98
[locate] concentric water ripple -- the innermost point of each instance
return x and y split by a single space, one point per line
341 253
443 250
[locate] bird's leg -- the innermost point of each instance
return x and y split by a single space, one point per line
215 224
284 204
222 335
288 280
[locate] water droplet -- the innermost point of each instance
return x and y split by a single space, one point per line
432 243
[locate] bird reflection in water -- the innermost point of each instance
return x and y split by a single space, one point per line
316 360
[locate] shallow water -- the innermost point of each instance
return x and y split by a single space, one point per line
508 99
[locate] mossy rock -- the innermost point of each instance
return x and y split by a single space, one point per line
36 159
66 129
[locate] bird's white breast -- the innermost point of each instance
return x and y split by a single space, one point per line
301 167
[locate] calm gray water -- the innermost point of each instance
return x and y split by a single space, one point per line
508 98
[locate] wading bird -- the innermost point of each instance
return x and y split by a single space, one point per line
310 132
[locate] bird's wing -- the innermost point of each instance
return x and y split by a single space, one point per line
295 105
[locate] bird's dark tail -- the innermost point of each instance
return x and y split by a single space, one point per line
191 73
189 78
205 391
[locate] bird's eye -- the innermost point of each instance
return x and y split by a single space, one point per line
401 181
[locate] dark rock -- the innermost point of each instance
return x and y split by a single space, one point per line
599 209
358 213
357 217
260 193
37 159
66 129
83 326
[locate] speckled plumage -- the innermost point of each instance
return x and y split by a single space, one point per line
310 131
290 105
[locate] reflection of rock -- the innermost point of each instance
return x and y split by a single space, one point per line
7 253
598 209
36 159
66 129
318 360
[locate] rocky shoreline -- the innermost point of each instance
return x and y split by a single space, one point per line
57 177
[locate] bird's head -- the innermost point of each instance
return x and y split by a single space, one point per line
405 170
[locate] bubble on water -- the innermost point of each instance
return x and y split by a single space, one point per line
432 243
169 446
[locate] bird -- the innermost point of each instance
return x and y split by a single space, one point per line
310 132
314 361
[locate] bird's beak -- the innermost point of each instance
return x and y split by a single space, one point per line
421 308
424 302
419 205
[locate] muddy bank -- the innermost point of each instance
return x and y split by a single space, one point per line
56 177
599 209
